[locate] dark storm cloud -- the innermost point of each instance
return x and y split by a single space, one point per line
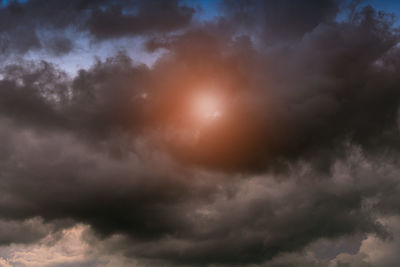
283 19
104 148
181 215
295 100
128 196
26 92
22 232
152 16
267 217
32 24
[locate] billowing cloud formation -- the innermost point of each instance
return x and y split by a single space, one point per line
113 163
48 25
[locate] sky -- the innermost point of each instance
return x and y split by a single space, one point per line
199 133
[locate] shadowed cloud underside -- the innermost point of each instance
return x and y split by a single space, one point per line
263 133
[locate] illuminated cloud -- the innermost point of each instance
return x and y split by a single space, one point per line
265 136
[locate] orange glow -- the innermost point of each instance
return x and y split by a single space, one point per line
206 106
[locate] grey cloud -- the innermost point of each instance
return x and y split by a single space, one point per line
24 24
297 100
27 231
308 151
151 17
184 219
282 20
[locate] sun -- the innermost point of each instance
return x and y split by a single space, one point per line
206 106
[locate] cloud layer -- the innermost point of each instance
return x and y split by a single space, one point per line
301 169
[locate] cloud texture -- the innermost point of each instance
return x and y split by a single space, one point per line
300 170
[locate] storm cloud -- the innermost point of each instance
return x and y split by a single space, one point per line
300 169
52 26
